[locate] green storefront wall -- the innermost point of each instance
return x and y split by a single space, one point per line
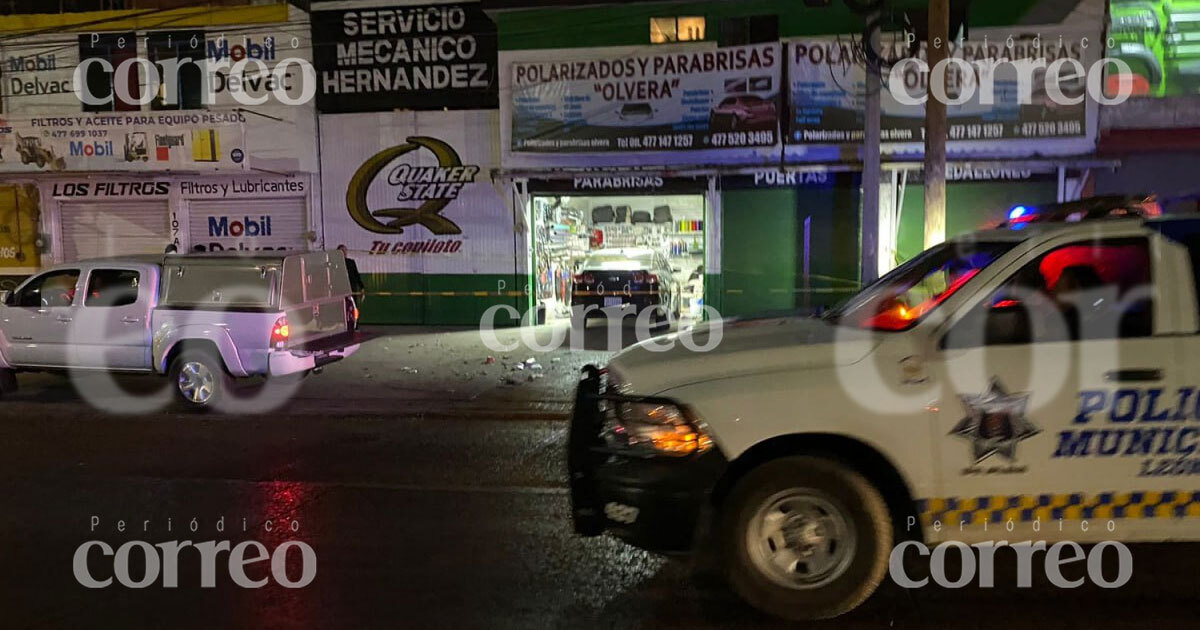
768 233
758 250
970 206
443 299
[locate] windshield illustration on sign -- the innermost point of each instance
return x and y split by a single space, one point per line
828 88
673 101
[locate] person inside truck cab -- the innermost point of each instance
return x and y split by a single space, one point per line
1077 292
112 288
59 290
1076 295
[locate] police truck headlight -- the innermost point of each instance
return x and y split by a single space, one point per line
662 429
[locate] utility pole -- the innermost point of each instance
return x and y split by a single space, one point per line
871 166
937 48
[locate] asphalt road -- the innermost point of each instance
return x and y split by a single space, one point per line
419 520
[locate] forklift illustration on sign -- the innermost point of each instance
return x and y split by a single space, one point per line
32 152
135 147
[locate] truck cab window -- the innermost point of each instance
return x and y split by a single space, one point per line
112 287
54 289
900 299
1082 291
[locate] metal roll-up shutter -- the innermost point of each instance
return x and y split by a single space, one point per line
249 224
95 229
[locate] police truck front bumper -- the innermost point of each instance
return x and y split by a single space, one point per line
653 502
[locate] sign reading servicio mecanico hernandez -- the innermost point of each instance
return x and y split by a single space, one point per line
414 191
405 57
708 99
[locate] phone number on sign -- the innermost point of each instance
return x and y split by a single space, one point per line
657 141
742 138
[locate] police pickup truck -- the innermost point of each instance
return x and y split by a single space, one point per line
1035 382
204 320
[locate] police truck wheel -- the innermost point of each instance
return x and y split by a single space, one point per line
805 538
199 379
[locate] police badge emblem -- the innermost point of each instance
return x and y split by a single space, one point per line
995 423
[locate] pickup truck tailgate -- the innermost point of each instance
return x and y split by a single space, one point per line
316 288
315 321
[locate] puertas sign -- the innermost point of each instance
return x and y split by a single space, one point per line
413 192
696 100
405 57
828 86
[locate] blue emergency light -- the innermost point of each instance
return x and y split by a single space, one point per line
1017 212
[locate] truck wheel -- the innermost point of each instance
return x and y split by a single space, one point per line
199 379
805 538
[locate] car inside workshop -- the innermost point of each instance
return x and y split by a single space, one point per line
619 250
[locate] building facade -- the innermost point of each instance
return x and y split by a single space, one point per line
756 110
210 159
409 129
471 155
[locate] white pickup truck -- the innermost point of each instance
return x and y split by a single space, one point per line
204 320
1035 382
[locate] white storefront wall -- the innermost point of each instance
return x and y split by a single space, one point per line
228 176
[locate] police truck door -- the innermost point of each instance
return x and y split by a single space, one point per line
1060 386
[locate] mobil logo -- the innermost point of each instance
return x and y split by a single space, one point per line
80 148
248 49
224 227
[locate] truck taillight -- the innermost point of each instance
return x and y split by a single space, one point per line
584 278
351 313
280 332
651 278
